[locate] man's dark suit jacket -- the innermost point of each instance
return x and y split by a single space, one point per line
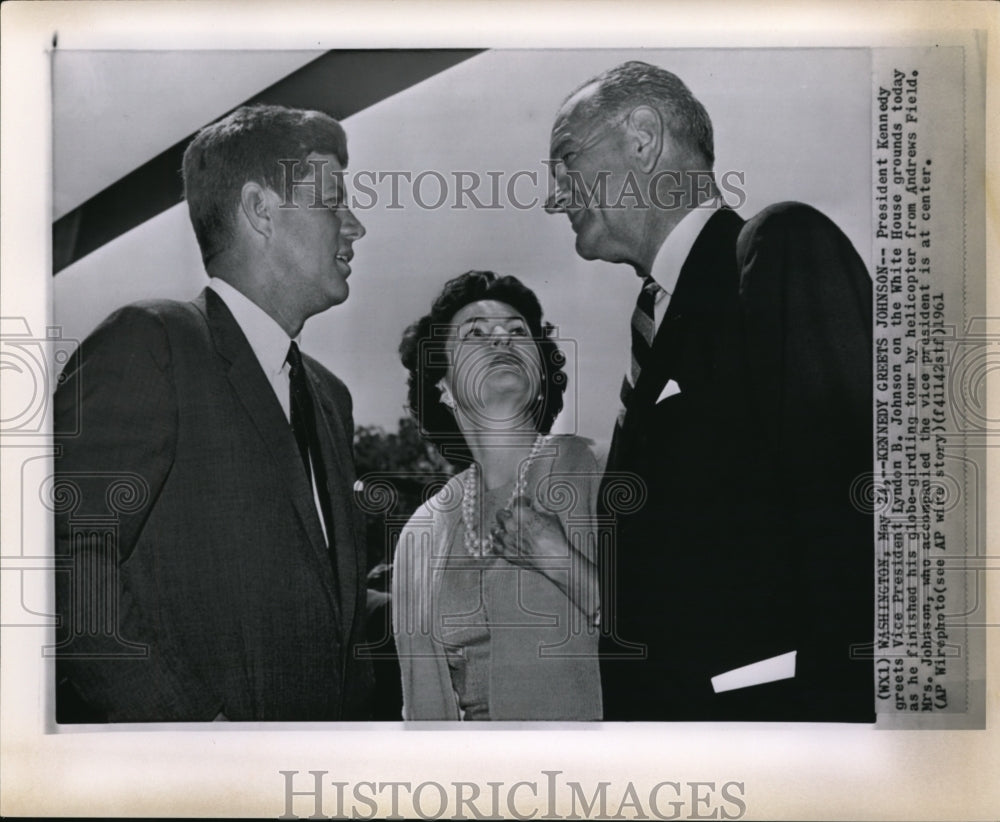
219 581
748 545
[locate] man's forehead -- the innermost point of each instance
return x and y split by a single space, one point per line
571 119
317 178
326 164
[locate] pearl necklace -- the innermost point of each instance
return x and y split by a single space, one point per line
471 513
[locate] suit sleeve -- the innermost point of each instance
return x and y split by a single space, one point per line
806 299
109 474
806 304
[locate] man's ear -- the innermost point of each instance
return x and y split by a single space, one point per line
645 137
255 207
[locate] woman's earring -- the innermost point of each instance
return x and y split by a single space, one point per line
446 398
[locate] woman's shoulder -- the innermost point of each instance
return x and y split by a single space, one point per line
572 452
447 500
429 525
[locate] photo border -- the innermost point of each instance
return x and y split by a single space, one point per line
807 771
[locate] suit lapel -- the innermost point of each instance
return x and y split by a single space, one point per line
701 287
337 457
251 386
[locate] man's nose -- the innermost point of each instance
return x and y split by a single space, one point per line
352 228
557 200
555 204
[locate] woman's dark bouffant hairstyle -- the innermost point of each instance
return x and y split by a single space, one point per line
423 354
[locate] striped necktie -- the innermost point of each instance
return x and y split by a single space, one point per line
643 331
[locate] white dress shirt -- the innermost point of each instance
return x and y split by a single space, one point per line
267 339
670 259
675 250
270 344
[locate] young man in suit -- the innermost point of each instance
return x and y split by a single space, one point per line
746 418
233 584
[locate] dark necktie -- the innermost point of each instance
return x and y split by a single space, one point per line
306 434
643 331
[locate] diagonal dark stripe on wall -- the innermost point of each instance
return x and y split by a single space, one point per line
340 83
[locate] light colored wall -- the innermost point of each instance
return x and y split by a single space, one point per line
794 121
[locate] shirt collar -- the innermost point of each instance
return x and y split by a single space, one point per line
267 339
676 248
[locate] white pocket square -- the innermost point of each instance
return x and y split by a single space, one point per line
669 390
756 673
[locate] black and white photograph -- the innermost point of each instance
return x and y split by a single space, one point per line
735 543
390 414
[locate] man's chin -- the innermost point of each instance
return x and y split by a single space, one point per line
338 296
590 250
585 248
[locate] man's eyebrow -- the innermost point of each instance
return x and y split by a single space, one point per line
334 189
559 141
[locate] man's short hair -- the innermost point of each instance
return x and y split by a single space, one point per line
245 146
636 83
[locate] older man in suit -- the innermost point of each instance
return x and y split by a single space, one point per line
234 588
742 588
